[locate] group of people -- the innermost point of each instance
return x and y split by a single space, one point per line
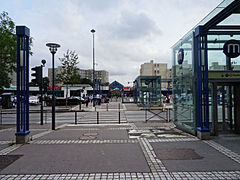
98 99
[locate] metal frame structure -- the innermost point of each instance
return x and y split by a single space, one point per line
146 90
210 25
201 54
23 34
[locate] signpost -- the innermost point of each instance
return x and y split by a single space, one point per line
22 134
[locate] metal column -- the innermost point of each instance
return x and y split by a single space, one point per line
22 134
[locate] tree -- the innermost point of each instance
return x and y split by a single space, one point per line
8 48
86 81
76 79
69 74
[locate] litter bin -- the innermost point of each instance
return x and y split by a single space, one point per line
7 102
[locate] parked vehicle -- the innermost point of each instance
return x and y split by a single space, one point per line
33 100
78 98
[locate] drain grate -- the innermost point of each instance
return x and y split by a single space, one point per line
177 154
6 160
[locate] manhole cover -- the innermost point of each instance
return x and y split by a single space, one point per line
6 160
177 154
88 136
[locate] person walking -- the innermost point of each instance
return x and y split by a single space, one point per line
87 100
91 98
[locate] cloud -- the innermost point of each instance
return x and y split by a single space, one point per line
131 26
128 32
97 6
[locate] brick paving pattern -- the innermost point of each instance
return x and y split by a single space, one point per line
157 168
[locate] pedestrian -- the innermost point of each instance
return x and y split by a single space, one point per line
91 98
98 99
87 100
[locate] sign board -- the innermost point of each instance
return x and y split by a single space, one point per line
180 56
127 89
232 48
224 75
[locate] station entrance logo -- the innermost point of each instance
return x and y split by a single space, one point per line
231 48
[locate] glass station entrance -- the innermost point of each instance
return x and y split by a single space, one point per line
206 74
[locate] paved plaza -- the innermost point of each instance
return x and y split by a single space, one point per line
133 149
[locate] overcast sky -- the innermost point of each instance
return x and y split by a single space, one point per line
128 32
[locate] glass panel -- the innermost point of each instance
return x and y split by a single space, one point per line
183 86
233 19
216 57
149 90
217 10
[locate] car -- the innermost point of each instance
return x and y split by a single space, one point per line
78 98
34 100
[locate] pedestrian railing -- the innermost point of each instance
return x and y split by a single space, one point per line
6 116
162 113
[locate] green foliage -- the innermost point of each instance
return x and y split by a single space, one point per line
7 49
116 92
86 81
76 79
69 74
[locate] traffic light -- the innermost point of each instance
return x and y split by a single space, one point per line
37 74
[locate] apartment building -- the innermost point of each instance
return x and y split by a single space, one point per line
84 73
156 69
99 74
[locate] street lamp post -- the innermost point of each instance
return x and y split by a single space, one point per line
53 49
93 31
41 87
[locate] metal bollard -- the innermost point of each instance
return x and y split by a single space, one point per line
119 118
107 107
146 115
167 114
46 117
80 106
75 117
1 117
169 118
97 117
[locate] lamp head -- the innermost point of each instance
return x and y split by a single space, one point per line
43 62
53 47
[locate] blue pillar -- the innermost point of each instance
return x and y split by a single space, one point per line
202 103
22 134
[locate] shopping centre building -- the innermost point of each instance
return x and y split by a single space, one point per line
206 74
